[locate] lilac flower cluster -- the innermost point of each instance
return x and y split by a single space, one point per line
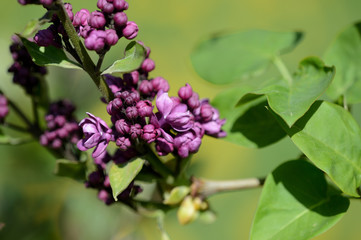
101 29
4 108
61 125
26 72
177 127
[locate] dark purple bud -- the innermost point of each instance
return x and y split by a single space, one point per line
135 131
117 103
123 95
81 18
123 143
120 5
131 112
112 37
187 142
104 196
150 133
96 40
108 7
131 30
129 100
50 135
122 127
159 84
97 20
145 108
135 96
193 102
148 65
146 87
69 10
185 92
45 38
120 19
4 109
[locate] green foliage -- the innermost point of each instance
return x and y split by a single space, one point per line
134 56
331 138
291 100
48 56
233 57
176 195
121 175
296 204
71 169
345 54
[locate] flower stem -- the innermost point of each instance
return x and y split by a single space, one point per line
205 188
159 166
84 57
277 61
15 127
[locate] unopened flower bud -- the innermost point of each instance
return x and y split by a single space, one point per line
97 20
81 18
131 30
69 10
4 109
120 5
160 83
131 112
146 87
193 102
122 127
112 37
120 19
145 108
185 92
123 143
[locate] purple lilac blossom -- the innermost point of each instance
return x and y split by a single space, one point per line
97 134
4 109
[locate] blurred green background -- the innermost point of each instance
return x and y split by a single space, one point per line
34 204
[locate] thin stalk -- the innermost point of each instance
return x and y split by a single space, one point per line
100 62
205 188
84 57
20 113
277 61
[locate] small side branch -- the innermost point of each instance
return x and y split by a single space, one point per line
205 188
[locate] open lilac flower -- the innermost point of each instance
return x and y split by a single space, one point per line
187 142
176 115
97 134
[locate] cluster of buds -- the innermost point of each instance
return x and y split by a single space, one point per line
100 29
26 73
61 125
178 127
4 108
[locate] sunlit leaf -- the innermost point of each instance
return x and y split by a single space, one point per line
48 56
176 195
345 54
331 138
296 204
291 100
121 175
227 58
134 56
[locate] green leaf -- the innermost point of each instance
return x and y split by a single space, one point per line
134 56
296 204
250 124
121 175
72 169
345 54
331 138
291 100
48 56
228 58
176 195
